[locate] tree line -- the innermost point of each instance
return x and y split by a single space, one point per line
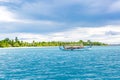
18 43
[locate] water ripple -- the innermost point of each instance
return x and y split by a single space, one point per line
99 63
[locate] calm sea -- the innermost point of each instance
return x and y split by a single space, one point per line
50 63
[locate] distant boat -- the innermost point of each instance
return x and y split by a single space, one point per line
75 47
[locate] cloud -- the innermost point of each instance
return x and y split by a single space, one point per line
29 26
115 6
10 1
64 20
103 34
4 0
112 33
6 15
90 12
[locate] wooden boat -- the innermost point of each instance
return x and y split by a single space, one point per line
75 47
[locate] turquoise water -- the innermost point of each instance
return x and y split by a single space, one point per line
50 63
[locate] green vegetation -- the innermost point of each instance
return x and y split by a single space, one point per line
17 43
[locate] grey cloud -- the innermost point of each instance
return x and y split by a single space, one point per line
112 33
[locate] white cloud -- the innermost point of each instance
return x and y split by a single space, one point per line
93 34
9 0
103 34
115 6
4 0
6 15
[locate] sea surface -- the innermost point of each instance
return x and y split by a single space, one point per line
50 63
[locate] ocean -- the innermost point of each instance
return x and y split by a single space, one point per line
50 63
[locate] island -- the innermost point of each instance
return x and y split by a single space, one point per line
18 43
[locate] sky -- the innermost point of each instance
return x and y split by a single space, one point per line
61 20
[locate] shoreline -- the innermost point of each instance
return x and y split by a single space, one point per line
26 47
45 47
